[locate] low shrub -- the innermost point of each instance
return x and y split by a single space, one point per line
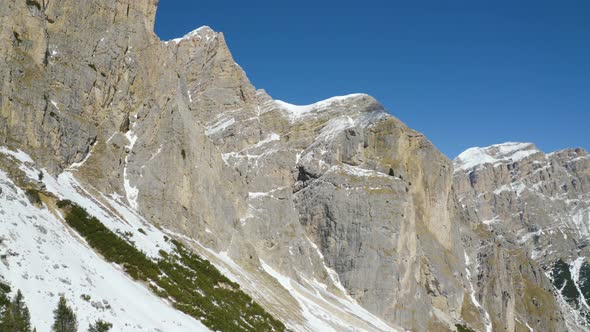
192 283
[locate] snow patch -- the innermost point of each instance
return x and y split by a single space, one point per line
157 153
315 322
581 221
335 126
322 310
517 187
131 192
522 238
49 259
245 153
79 164
258 195
579 158
494 220
333 274
575 268
506 152
219 126
270 138
18 155
114 215
487 321
357 171
319 317
203 32
297 112
55 105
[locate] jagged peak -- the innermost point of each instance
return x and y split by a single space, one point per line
296 112
509 151
202 32
569 153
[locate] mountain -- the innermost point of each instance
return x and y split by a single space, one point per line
538 202
43 258
194 201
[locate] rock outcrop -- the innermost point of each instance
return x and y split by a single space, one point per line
538 203
334 215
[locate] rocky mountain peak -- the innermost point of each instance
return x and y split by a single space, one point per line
202 33
349 105
539 202
333 216
572 154
494 154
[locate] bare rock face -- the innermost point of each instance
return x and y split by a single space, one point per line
337 211
63 64
538 202
338 191
542 199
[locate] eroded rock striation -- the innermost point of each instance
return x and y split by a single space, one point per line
539 203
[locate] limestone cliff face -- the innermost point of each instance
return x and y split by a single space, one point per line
354 208
63 64
541 199
522 198
338 185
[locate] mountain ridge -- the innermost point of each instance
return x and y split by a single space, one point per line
336 216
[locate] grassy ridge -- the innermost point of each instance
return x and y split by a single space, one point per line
191 283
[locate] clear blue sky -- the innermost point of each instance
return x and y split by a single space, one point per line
465 73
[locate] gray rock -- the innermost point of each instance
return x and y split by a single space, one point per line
338 192
525 199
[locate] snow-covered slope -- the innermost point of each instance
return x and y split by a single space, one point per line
44 258
505 152
297 112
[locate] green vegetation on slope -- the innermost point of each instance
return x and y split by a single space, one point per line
562 280
584 281
15 316
564 283
100 326
463 328
64 318
189 282
4 296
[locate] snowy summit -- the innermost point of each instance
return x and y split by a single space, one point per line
298 111
510 151
202 32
